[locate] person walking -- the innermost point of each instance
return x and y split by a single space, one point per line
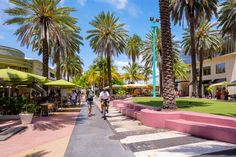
89 98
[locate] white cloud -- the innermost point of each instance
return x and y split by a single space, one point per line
82 2
2 37
120 65
119 4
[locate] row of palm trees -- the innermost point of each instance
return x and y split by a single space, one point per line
51 31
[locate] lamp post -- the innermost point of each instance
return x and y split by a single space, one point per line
154 34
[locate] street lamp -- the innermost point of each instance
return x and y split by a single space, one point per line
154 34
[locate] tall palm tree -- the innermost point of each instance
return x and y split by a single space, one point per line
193 10
133 47
70 42
40 20
207 43
133 72
107 38
227 18
167 57
72 66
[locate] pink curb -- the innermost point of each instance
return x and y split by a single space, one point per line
209 126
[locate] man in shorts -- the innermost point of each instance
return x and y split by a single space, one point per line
89 98
104 95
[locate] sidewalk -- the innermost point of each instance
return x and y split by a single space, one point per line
90 137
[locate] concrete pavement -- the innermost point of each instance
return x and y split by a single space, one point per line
91 137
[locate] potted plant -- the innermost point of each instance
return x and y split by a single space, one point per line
27 113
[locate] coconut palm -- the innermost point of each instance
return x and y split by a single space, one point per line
207 43
40 20
227 18
167 57
193 10
133 73
72 66
133 47
107 38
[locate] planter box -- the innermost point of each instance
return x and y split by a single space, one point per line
26 118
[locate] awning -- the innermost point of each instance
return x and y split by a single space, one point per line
206 81
218 80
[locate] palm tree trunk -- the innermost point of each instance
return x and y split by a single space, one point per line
68 76
160 78
45 53
167 59
200 75
58 62
45 58
109 72
193 55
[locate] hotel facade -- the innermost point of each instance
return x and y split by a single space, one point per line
215 70
15 59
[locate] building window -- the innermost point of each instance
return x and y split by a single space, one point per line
220 68
207 70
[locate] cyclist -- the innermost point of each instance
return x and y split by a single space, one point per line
104 95
89 98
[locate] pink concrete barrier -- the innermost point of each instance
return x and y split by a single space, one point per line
210 126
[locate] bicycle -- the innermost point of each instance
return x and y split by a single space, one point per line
104 106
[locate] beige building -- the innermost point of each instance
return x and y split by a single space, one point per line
15 59
215 70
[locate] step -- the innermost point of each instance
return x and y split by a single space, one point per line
206 130
209 118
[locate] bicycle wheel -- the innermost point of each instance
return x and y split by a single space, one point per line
104 111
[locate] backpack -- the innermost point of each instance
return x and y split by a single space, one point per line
90 95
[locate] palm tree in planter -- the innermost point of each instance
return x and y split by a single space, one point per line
108 38
192 10
167 57
40 21
133 47
208 42
133 73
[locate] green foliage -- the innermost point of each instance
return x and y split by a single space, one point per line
11 105
195 105
133 47
121 92
29 108
133 72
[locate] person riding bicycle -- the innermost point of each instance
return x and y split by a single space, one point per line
104 96
89 98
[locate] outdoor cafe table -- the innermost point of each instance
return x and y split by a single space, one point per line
46 108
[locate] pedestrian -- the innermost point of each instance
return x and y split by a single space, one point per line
89 98
74 97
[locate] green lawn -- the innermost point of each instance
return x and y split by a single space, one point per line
194 104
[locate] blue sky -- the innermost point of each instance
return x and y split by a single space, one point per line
134 13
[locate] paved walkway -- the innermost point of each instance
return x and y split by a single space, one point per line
149 142
92 137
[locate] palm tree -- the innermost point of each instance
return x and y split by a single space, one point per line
207 43
146 53
72 66
193 10
146 72
167 57
107 38
69 42
40 21
133 47
227 18
133 73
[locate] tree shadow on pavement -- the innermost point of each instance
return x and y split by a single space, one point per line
37 154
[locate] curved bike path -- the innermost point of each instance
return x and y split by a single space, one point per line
90 137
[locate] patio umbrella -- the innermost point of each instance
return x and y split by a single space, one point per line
11 76
220 84
232 83
62 84
115 86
